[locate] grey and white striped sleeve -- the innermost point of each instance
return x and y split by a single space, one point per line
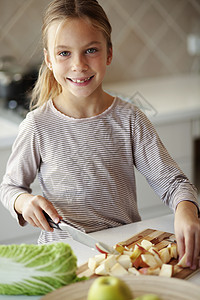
160 170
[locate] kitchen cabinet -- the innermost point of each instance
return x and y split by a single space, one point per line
178 139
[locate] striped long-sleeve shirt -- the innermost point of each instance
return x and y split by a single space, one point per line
86 166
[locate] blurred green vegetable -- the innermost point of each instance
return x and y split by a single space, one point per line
36 269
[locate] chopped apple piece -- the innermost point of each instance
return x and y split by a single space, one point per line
100 257
176 269
164 255
102 269
144 271
125 261
101 248
146 244
126 248
150 271
150 260
119 248
154 271
137 251
144 258
129 253
153 247
139 263
110 261
166 270
182 262
173 250
156 256
87 273
118 270
133 271
92 264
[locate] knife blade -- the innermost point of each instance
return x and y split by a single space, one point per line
80 236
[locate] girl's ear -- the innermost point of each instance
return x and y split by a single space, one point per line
47 59
109 56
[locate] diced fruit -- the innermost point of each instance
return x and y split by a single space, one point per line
137 251
153 250
150 271
119 248
156 256
139 263
92 264
146 244
150 260
154 271
166 270
173 250
110 261
86 273
182 262
164 255
144 271
102 269
125 261
100 257
140 247
144 258
101 249
126 248
133 271
176 269
118 270
129 253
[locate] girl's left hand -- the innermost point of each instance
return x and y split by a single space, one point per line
187 231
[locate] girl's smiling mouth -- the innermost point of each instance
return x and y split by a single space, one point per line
80 80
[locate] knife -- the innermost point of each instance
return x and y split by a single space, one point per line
80 236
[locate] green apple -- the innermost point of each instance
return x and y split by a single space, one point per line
109 288
148 297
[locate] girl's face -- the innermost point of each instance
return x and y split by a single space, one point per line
78 55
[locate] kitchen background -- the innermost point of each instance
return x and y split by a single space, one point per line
156 64
150 37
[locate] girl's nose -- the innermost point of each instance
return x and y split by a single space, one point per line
79 64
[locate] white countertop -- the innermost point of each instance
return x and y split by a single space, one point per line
112 236
174 97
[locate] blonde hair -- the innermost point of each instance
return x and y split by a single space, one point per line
59 10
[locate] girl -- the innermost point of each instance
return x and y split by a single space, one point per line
84 143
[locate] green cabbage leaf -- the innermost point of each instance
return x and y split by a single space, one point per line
36 269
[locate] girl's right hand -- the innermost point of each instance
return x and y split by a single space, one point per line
31 209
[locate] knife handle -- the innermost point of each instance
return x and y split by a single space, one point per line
52 224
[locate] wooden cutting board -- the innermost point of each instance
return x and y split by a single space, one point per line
159 239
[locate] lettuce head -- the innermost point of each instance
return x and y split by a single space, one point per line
36 269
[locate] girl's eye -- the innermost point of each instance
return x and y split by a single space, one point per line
91 51
64 53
